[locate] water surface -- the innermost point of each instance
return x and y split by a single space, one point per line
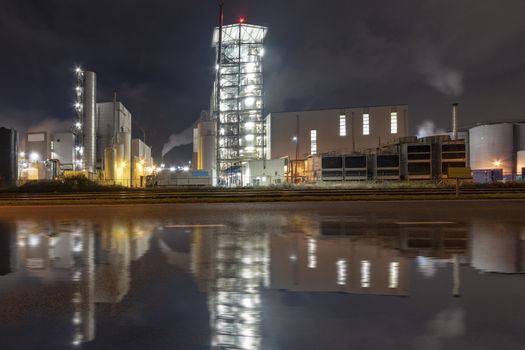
264 276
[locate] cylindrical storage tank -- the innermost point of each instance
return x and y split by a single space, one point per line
124 139
493 247
520 164
207 148
492 147
519 137
90 127
110 162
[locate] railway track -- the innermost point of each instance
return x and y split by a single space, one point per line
166 195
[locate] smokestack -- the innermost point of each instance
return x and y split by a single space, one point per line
90 103
454 121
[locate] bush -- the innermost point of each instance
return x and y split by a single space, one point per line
70 184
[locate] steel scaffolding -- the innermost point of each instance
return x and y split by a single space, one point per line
238 109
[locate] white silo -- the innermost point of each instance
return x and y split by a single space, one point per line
124 157
110 163
206 150
492 147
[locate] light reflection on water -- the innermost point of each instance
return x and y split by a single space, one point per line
235 265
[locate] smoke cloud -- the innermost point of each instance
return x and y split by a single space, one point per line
175 140
52 125
446 80
428 128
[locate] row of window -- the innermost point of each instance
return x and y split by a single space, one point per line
342 129
366 124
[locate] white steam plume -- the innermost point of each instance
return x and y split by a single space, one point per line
183 138
52 125
447 324
428 128
446 80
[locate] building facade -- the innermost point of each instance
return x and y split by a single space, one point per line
298 135
8 157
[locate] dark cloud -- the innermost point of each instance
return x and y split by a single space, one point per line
157 55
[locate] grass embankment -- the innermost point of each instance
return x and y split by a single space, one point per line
90 193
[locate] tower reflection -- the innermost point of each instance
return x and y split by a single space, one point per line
90 259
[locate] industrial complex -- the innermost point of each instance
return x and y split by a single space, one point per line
238 143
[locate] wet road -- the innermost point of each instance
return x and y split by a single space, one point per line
334 275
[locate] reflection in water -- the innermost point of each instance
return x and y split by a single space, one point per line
95 259
234 265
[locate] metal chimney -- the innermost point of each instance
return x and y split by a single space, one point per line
454 121
90 104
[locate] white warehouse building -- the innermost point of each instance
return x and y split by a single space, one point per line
339 130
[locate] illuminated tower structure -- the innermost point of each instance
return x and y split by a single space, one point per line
237 105
85 126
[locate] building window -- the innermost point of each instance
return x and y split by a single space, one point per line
393 275
365 273
393 123
313 142
342 125
341 272
366 124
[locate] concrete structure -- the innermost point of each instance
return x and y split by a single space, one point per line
178 178
206 145
114 142
113 117
238 98
342 131
264 172
37 146
8 157
62 149
141 162
495 146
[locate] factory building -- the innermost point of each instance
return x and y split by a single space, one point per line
264 172
141 163
38 146
8 157
496 146
114 143
62 149
297 135
408 159
237 103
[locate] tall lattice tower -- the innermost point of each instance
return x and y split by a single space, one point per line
237 105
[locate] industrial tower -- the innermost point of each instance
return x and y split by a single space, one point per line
237 105
85 126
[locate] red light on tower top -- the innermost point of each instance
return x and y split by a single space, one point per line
241 20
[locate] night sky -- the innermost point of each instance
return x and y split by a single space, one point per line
157 54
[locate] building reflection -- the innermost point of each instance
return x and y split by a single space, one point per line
235 264
7 248
232 266
92 259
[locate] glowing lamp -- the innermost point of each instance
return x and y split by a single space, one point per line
241 20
